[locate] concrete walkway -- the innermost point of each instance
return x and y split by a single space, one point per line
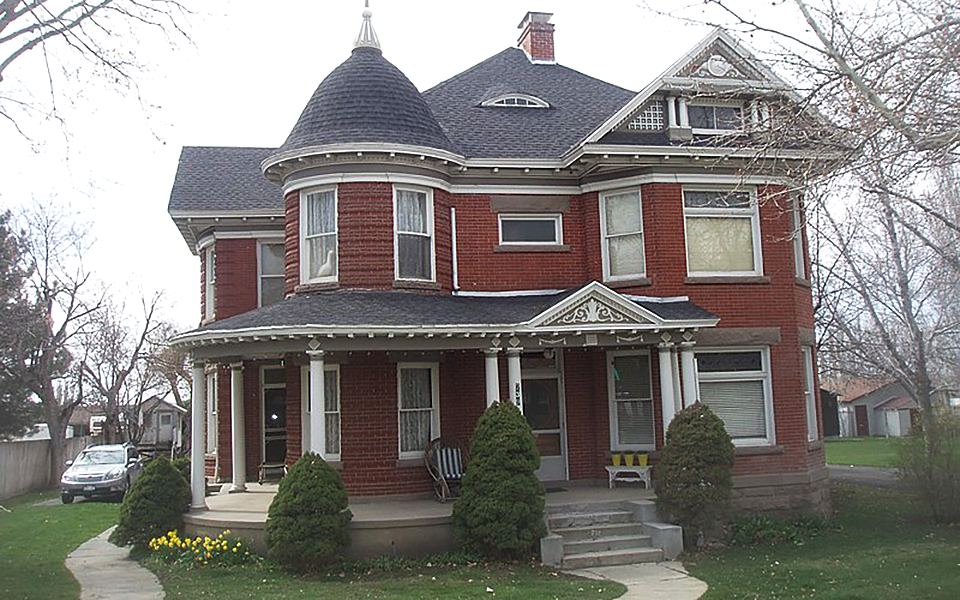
105 572
868 476
644 581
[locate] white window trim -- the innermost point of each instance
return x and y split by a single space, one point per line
210 283
615 444
811 393
536 102
431 233
435 411
260 244
212 425
304 267
762 375
799 256
263 396
305 408
753 213
604 252
720 104
557 219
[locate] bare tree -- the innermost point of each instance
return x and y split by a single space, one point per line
115 364
100 33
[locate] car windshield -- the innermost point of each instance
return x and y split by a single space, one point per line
100 457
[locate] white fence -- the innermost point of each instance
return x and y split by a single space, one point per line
25 466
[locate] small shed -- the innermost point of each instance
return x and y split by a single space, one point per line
161 422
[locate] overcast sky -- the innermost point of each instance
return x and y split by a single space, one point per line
243 81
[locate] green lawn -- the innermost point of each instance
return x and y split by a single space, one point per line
862 451
882 548
441 583
35 540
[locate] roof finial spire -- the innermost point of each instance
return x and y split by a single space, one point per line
367 37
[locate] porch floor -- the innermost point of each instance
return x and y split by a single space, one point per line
252 506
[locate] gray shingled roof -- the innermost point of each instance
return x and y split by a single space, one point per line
578 105
217 179
350 308
367 99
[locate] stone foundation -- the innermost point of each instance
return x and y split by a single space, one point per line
784 494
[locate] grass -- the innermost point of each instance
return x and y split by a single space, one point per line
862 451
35 540
425 582
880 547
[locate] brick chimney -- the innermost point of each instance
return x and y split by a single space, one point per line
537 37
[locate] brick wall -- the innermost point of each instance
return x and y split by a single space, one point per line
236 284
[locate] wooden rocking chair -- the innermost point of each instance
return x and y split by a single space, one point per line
446 463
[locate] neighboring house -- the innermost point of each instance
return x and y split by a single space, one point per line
161 423
521 232
888 410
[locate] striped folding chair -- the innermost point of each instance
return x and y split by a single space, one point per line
446 465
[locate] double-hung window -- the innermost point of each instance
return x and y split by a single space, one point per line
331 399
799 258
533 230
723 232
211 390
270 265
413 240
621 225
210 283
631 401
715 118
418 393
810 394
735 384
318 236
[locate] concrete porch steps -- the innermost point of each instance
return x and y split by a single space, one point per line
602 534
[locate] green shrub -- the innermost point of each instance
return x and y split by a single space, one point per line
308 518
931 465
182 464
693 480
154 505
765 531
500 510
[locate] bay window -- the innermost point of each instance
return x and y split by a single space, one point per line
413 239
210 283
722 230
271 272
318 236
799 258
621 225
331 400
735 384
631 401
418 395
810 394
211 390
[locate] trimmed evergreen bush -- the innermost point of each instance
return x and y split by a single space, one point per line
182 464
693 481
500 510
308 518
154 505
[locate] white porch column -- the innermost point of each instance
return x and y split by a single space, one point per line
671 111
493 375
675 369
513 371
689 373
684 117
198 409
667 397
318 404
239 458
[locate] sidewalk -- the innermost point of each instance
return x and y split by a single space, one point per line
868 476
105 572
646 581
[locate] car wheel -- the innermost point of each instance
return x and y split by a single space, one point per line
66 498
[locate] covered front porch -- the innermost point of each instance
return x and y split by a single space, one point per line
388 526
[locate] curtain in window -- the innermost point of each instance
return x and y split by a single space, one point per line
332 417
416 409
413 236
635 422
720 244
624 234
739 404
634 404
320 234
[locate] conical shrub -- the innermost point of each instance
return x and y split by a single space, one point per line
154 505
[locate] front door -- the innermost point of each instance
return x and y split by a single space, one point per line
544 409
860 416
274 415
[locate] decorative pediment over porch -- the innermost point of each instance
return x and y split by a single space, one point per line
596 306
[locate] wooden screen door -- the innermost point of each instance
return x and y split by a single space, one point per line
860 415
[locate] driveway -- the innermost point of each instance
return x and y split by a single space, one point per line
868 476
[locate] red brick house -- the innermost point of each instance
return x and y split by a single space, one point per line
520 232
